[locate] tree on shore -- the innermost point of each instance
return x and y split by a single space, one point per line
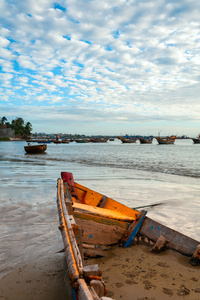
21 129
3 120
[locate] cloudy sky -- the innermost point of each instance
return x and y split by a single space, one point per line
101 67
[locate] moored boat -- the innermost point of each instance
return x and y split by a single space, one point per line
146 139
57 141
98 140
35 148
65 141
167 140
196 140
128 140
44 141
82 141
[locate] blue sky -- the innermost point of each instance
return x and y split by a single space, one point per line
101 67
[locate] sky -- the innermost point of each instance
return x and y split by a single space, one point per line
101 67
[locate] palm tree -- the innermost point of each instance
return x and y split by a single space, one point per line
3 120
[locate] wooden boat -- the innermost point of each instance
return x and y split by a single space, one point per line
196 140
57 141
65 141
128 140
90 221
44 141
146 139
35 148
98 140
82 141
166 140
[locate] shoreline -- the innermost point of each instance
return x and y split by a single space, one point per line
129 273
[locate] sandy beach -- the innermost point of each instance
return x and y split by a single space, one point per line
131 273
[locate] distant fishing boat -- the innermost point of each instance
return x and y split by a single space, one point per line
196 140
44 141
82 141
99 140
35 148
65 141
146 139
128 140
166 140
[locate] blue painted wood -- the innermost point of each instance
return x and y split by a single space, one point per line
133 229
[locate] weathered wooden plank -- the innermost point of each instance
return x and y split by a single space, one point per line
96 246
71 247
91 270
133 230
176 240
94 253
99 230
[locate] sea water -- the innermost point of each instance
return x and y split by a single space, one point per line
163 179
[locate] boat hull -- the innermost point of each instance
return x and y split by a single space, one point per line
146 141
165 141
128 141
196 141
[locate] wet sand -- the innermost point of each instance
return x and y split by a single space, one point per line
131 273
42 279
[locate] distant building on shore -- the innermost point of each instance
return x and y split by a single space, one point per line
7 133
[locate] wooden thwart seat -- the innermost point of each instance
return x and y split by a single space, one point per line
102 212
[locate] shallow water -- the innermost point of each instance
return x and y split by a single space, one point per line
135 174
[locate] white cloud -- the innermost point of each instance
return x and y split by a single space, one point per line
135 58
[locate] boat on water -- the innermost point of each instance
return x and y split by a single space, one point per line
91 222
57 141
98 140
65 141
167 140
146 139
41 148
44 141
82 141
128 140
196 140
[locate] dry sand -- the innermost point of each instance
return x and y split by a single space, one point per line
131 273
136 273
